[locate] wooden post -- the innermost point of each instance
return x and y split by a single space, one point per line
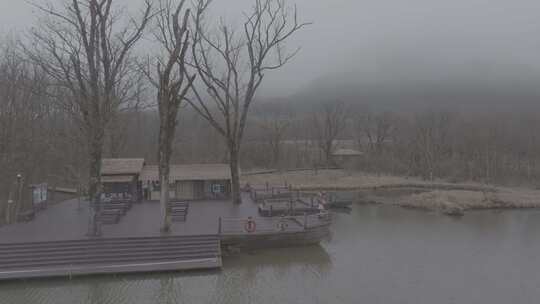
271 210
305 220
18 202
219 226
79 193
8 211
267 186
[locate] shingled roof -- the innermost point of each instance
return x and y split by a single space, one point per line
118 166
347 152
191 172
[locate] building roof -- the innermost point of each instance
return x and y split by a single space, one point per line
189 172
347 152
117 179
119 166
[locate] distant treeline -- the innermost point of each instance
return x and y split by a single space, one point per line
39 140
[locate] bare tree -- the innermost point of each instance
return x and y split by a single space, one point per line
275 129
431 141
328 124
86 51
377 128
231 66
24 111
172 83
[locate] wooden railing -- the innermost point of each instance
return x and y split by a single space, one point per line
290 224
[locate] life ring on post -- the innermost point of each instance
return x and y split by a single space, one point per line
250 225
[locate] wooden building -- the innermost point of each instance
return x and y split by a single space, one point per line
190 182
120 177
346 157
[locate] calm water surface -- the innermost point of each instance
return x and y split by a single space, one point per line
377 254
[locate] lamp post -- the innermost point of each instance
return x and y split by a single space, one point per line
11 203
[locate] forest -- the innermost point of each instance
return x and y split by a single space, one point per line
50 131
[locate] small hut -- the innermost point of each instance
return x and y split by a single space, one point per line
120 177
345 157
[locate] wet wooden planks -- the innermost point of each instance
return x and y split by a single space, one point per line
102 256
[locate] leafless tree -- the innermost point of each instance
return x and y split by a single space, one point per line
24 110
329 122
275 131
231 66
85 49
172 83
377 128
431 141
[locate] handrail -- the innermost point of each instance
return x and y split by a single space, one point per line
284 224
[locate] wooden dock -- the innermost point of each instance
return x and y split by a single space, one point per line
290 207
108 255
275 232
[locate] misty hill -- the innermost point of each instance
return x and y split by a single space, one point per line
411 87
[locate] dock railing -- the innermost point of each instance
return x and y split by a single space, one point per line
284 224
262 193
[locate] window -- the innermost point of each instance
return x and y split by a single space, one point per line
218 188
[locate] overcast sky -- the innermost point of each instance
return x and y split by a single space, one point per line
362 37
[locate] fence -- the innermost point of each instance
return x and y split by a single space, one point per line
291 224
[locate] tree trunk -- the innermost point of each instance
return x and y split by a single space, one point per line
164 197
166 134
235 176
94 186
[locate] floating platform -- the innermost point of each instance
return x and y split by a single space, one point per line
109 256
275 232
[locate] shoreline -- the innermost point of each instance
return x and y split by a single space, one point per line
440 196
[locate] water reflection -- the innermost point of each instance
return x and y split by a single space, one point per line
378 254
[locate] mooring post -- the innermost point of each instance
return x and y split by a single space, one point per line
219 226
8 211
305 220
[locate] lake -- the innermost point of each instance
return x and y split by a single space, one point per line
377 254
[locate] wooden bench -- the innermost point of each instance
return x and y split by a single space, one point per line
179 211
110 216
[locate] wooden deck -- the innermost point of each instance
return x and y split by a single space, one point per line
55 243
102 256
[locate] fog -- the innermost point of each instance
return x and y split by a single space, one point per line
424 42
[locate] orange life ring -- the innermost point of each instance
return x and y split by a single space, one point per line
250 225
